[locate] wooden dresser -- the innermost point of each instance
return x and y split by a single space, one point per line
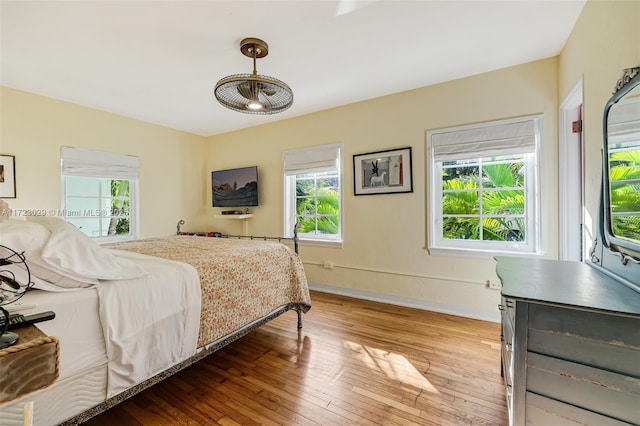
570 344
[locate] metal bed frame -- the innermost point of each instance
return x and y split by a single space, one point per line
204 351
293 239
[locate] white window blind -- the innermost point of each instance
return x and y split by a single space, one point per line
313 194
484 188
86 162
485 141
311 160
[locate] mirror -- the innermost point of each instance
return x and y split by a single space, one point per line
616 250
623 165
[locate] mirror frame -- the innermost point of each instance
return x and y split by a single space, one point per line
615 256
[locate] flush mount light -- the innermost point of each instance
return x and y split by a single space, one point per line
254 93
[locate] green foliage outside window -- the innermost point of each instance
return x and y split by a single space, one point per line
119 223
318 203
484 200
99 207
624 175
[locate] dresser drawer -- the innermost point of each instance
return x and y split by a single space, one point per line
606 393
547 411
595 339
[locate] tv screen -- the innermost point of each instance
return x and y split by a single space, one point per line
235 187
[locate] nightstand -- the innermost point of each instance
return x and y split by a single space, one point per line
29 365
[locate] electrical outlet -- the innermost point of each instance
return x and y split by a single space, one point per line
496 285
328 264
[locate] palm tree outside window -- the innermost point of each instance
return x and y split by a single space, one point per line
483 188
100 193
313 193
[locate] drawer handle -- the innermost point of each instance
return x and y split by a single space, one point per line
501 307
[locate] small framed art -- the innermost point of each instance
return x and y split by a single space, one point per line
382 172
7 176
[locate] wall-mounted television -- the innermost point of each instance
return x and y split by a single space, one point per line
235 187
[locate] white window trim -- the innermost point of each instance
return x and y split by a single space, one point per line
436 245
100 164
297 161
318 243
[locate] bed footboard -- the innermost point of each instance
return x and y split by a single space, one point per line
293 239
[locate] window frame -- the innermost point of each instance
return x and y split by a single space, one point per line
289 184
534 226
76 162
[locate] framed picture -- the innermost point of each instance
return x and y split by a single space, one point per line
7 176
382 172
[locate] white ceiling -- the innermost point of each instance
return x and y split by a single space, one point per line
158 61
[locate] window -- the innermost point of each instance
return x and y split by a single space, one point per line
100 193
313 193
483 191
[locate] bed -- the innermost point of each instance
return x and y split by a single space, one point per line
130 314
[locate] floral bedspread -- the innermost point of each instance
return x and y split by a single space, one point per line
242 280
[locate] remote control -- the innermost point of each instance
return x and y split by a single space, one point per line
18 320
12 318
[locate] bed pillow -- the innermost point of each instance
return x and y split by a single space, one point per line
52 281
23 236
70 250
28 237
62 279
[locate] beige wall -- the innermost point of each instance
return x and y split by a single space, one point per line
384 253
604 41
33 128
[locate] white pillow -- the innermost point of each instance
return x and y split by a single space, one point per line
29 237
69 249
23 236
43 279
42 270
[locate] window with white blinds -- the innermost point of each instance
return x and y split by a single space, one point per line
100 193
313 193
483 187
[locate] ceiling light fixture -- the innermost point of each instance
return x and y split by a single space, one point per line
254 93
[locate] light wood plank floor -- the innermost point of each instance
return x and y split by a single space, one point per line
354 362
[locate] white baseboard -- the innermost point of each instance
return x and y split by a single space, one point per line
407 302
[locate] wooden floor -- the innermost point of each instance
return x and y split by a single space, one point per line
354 362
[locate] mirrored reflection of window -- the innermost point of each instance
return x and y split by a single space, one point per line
623 129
